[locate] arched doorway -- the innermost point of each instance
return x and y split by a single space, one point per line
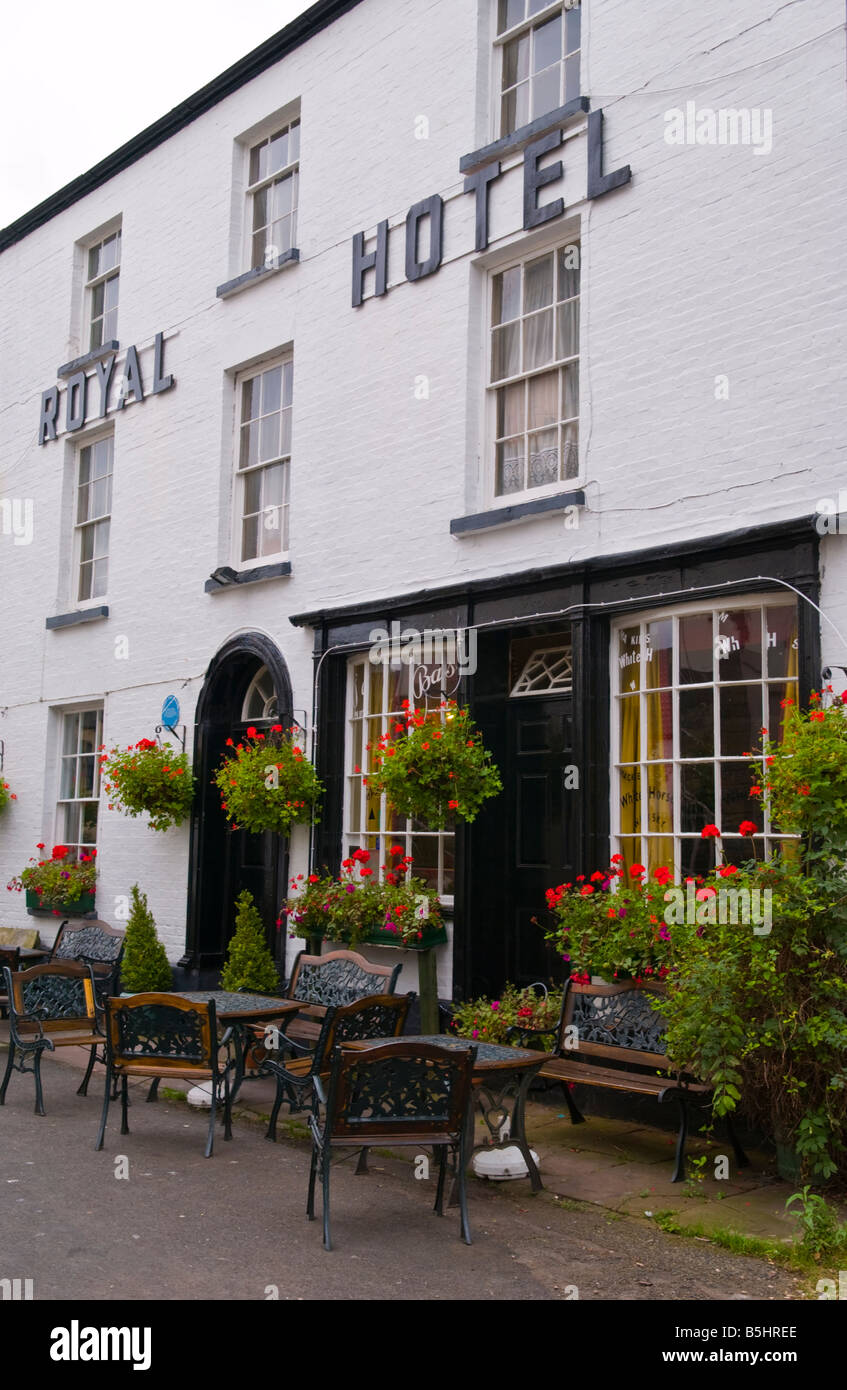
247 683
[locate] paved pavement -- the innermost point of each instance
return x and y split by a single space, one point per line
234 1226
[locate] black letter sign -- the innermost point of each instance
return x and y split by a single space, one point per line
433 208
375 260
535 178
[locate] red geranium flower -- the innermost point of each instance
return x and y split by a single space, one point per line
746 828
662 875
709 832
59 851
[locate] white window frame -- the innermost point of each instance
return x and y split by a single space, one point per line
79 527
63 802
766 838
92 283
281 553
493 498
499 42
291 170
354 788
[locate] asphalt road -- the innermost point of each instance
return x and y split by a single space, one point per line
234 1226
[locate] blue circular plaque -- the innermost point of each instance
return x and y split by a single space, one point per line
170 712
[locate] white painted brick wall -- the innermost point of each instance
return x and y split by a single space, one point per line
713 261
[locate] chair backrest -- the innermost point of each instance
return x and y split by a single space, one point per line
162 1028
410 1092
376 1016
339 977
612 1021
57 996
10 956
94 942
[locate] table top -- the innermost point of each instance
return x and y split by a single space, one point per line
34 952
234 1005
489 1056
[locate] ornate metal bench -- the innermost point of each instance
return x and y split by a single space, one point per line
612 1036
96 944
324 982
50 1006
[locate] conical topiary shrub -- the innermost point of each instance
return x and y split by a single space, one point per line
249 964
145 965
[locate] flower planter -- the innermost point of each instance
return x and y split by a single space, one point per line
35 903
431 936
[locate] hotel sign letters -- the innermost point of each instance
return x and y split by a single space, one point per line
80 403
478 182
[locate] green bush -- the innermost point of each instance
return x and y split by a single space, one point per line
249 964
145 964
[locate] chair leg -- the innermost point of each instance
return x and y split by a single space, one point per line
313 1173
106 1098
362 1165
153 1093
574 1113
741 1159
83 1090
210 1141
39 1094
227 1107
442 1174
124 1104
679 1168
278 1099
325 1185
461 1165
10 1062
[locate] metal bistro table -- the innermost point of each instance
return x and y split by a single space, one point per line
502 1077
235 1010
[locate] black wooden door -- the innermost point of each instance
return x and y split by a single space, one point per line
523 841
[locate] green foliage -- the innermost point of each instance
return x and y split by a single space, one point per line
267 783
145 966
823 1232
359 902
612 924
433 766
249 964
487 1020
148 777
6 794
59 879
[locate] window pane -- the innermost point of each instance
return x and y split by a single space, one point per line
109 253
85 578
572 82
696 724
515 109
777 714
278 152
285 441
287 383
260 209
538 339
568 260
101 538
99 497
269 441
99 572
629 657
249 445
697 790
511 12
695 649
283 200
658 649
507 295
660 725
101 458
97 300
260 243
516 61
89 823
506 352
294 142
660 797
659 855
93 262
567 317
546 91
781 625
736 802
67 787
510 410
543 458
570 451
86 776
86 537
252 492
697 857
110 292
510 467
572 28
629 746
249 395
538 284
547 44
543 400
740 645
741 718
272 485
280 238
254 163
70 733
82 512
249 538
570 391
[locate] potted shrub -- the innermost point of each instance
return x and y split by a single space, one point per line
62 884
267 783
6 794
145 964
249 964
145 776
433 766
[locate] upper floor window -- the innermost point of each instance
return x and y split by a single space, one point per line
535 371
264 461
93 517
539 53
102 281
273 176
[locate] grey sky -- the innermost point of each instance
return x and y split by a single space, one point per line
80 80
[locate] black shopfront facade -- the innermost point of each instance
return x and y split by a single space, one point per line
553 818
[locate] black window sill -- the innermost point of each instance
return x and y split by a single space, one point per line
96 355
256 576
519 139
252 277
506 516
81 615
